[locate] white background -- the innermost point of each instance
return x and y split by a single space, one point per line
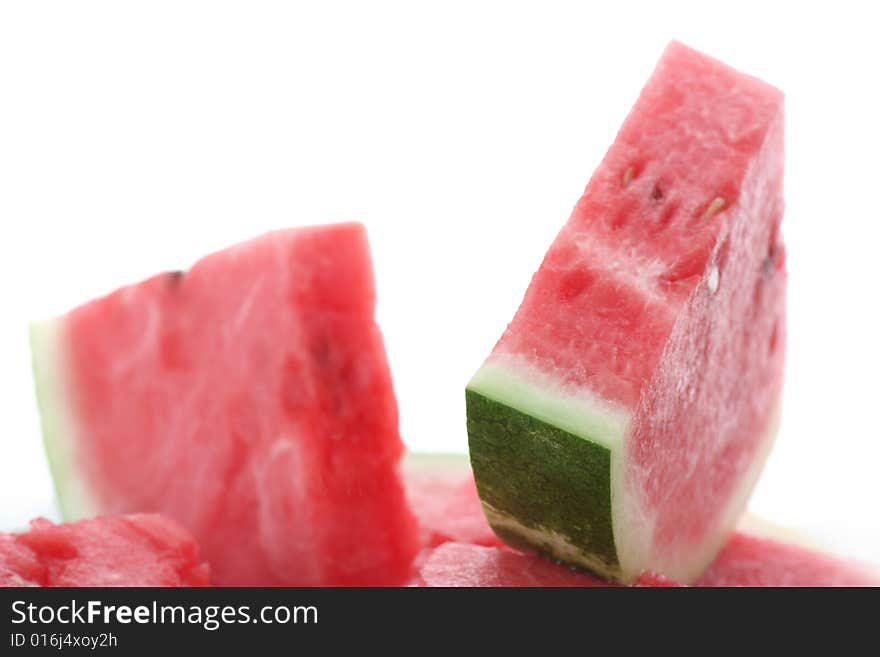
136 137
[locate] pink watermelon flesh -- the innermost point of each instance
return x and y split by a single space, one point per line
135 550
249 399
623 417
460 564
478 559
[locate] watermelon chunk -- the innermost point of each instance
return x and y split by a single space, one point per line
135 550
754 555
623 418
249 399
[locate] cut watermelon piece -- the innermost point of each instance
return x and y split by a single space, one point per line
460 564
135 550
249 399
623 418
756 555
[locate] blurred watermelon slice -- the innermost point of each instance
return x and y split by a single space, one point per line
250 400
136 550
622 419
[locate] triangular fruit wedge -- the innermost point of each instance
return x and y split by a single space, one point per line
249 399
624 416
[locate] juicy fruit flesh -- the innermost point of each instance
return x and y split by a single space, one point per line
632 254
249 398
662 302
137 550
730 401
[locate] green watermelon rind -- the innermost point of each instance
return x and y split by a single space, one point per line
525 439
568 511
74 499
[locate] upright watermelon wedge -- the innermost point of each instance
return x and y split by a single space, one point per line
622 419
250 400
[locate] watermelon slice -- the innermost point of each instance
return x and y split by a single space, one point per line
622 419
249 399
756 554
135 550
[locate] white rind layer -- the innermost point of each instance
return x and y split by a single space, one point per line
514 382
74 498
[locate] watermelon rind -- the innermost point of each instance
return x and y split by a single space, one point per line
514 419
577 529
75 501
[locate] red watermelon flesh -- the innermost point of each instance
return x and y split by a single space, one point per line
19 564
622 419
248 398
135 550
460 564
